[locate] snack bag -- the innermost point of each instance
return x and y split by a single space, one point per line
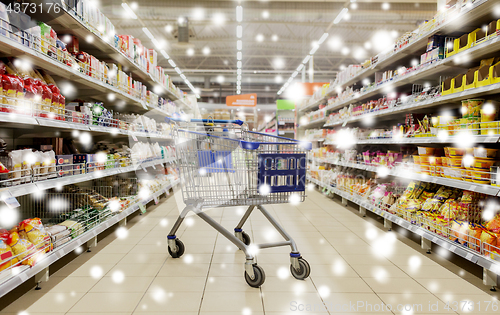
489 240
36 234
494 224
7 258
474 236
23 249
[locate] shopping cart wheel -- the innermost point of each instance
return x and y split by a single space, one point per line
303 271
180 249
259 277
246 238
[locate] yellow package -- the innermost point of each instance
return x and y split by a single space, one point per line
23 249
7 258
36 234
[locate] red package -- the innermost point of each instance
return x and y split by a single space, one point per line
72 44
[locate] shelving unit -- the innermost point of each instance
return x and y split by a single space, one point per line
472 16
69 23
21 274
467 15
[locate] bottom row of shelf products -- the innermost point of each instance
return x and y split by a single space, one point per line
49 220
465 222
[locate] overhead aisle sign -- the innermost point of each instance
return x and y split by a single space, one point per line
248 100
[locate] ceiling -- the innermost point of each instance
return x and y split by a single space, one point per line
277 35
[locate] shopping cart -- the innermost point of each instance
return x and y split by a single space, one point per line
222 164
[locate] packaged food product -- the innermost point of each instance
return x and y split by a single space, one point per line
485 153
455 152
465 108
7 259
489 239
474 107
425 151
23 249
494 224
488 112
36 234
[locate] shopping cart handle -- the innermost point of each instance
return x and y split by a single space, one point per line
215 121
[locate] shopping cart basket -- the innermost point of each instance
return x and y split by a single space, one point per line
222 164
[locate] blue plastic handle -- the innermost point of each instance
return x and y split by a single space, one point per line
216 121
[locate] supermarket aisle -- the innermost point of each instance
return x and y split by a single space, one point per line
135 275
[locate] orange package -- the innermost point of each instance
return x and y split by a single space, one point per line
489 240
474 237
494 224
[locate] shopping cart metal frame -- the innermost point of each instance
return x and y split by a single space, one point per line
267 167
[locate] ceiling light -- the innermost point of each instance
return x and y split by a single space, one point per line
129 11
323 38
335 43
313 50
354 6
238 77
239 44
340 16
134 5
172 63
238 71
148 33
239 31
368 45
238 64
394 33
306 59
178 70
218 19
169 28
183 76
342 67
164 53
345 51
265 14
220 79
386 6
274 38
238 55
239 13
278 79
206 50
198 14
279 63
295 74
259 37
300 67
190 52
157 43
238 92
181 20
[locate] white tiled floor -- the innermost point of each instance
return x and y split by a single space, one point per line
353 263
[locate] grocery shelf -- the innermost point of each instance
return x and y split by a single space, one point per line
24 189
19 276
469 14
450 245
68 23
313 105
434 101
316 122
409 174
21 119
85 84
425 140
